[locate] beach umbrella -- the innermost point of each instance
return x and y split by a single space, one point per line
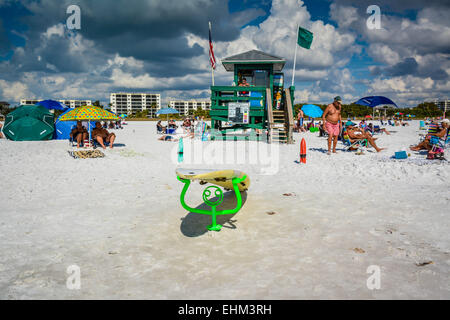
88 113
52 105
167 111
368 116
29 129
375 101
123 116
312 111
29 123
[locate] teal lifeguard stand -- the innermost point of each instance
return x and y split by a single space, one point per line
266 107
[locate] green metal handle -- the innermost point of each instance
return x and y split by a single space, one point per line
236 182
187 183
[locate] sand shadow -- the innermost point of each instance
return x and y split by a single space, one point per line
119 145
323 150
194 224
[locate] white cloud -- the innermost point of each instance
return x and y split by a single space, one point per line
383 53
343 15
13 91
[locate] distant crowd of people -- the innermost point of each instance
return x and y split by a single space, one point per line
186 129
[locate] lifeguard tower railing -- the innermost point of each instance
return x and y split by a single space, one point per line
222 95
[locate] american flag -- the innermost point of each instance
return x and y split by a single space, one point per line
212 59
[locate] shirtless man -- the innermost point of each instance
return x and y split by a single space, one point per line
79 133
102 135
333 122
358 133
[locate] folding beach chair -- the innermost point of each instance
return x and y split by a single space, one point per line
356 144
159 130
438 147
433 128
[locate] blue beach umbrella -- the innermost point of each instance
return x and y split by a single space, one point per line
167 111
312 111
375 101
52 105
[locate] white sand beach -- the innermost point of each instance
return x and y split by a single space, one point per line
304 232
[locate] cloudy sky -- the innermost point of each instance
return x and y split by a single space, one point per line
161 46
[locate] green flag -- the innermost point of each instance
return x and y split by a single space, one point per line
305 38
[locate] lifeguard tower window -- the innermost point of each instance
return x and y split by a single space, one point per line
261 79
257 78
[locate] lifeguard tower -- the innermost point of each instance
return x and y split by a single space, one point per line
237 111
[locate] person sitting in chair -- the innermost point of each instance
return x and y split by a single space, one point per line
79 133
442 133
172 124
187 124
102 136
160 127
1 134
357 133
372 129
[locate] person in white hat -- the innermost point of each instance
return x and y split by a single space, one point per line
425 144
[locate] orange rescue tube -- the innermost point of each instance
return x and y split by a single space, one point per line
303 151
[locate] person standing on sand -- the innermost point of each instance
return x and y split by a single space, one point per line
300 117
333 122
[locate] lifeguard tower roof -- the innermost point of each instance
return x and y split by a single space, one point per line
253 57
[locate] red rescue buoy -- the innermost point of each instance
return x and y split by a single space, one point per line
303 151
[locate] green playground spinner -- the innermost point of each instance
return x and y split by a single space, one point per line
213 195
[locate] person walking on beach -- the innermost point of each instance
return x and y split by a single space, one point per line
333 122
300 117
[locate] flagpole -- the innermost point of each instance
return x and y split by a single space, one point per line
295 57
212 69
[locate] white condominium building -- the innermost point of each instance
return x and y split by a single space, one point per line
444 105
189 106
69 103
130 103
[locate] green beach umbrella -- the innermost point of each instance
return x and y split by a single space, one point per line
28 129
29 123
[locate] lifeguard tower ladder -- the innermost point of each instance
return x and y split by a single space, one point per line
237 111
